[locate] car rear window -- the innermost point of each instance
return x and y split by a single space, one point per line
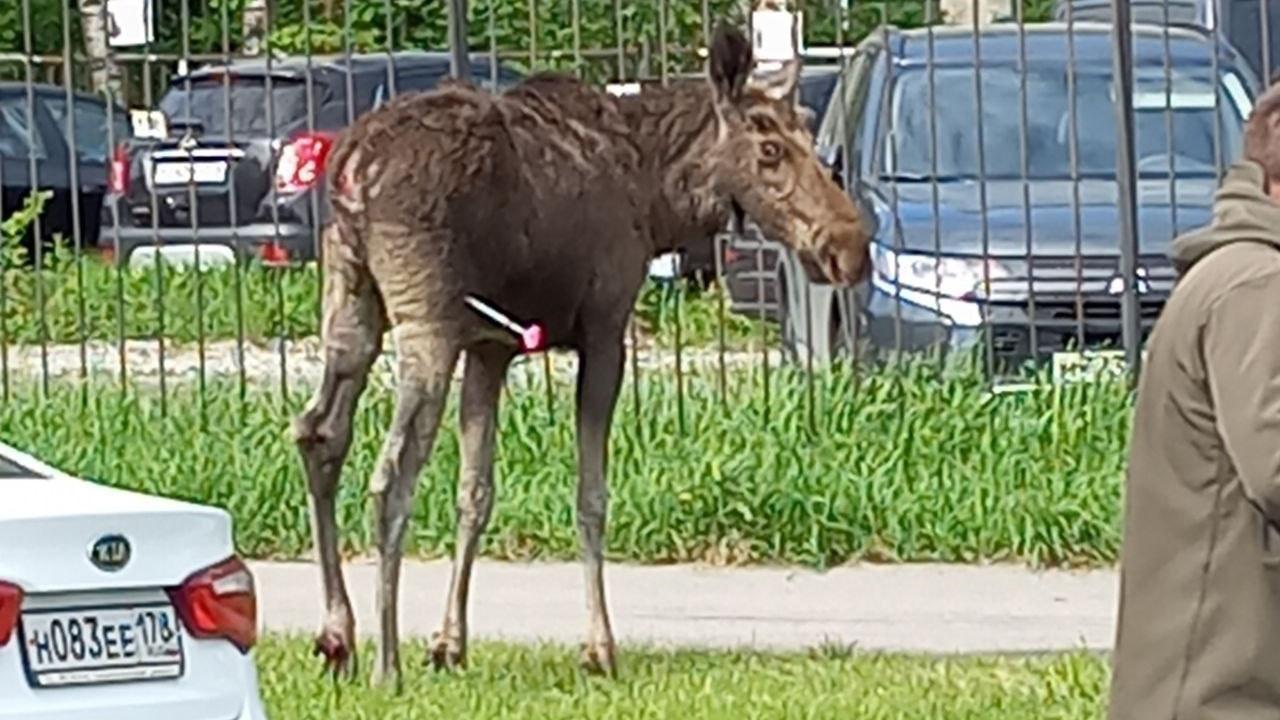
10 470
207 100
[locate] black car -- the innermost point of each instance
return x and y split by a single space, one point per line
33 126
1237 22
947 221
240 172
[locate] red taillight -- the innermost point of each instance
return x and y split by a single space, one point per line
220 602
10 603
301 161
118 174
273 255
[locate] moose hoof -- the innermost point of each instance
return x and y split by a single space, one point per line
446 653
337 652
599 659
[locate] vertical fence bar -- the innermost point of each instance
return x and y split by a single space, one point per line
533 34
193 200
273 199
850 315
982 194
1168 127
1217 108
34 179
493 44
73 182
575 13
1024 168
1073 157
891 154
114 206
156 246
679 282
811 400
314 200
1122 63
721 237
1264 39
459 58
4 305
233 212
621 58
935 200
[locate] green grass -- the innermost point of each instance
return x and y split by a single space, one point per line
896 466
506 681
66 304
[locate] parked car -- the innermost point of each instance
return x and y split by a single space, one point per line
33 127
1238 22
116 604
1052 254
240 172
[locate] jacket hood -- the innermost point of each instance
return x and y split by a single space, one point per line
1242 211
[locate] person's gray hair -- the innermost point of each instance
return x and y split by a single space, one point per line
1262 133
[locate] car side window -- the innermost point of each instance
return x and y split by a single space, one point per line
90 127
15 138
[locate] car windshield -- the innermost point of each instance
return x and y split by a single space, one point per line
10 470
208 101
1190 114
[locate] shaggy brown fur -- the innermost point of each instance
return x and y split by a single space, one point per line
548 201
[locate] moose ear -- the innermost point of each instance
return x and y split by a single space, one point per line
779 84
730 62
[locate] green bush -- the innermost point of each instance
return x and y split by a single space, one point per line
899 466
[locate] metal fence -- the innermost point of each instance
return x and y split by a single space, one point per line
1026 179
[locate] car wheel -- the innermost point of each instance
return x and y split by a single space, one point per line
787 331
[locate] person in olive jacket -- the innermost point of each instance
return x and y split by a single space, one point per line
1198 633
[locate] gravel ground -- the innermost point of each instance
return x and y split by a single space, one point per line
302 361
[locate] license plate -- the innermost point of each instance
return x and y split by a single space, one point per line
101 645
181 173
1089 365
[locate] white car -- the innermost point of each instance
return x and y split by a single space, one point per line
115 604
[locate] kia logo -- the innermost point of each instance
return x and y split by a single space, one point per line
110 553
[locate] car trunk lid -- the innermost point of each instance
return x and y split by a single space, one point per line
163 540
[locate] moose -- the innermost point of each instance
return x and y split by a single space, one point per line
547 200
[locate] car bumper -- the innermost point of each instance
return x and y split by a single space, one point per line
218 683
215 245
895 324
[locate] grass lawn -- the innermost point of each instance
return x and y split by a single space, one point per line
508 681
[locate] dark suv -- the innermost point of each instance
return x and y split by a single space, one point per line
948 220
240 172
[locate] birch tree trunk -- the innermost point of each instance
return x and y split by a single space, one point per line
104 73
255 25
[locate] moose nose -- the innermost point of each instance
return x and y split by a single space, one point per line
845 253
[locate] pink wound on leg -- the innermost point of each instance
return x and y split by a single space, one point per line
531 338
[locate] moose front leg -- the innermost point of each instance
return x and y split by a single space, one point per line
599 376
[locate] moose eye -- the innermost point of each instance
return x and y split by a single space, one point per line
770 150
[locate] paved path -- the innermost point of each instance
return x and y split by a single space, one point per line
916 608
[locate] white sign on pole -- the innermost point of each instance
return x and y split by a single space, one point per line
773 41
129 22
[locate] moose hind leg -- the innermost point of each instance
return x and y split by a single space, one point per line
427 355
352 329
486 368
599 375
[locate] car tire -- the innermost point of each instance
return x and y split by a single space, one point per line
788 334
